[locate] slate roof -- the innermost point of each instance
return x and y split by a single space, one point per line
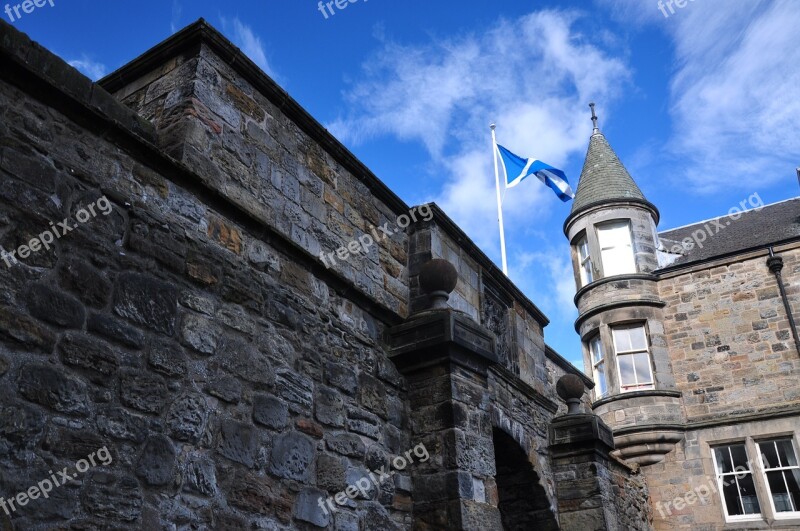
755 229
603 177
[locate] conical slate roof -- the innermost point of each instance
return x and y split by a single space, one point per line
603 177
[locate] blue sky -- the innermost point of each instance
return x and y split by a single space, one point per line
702 106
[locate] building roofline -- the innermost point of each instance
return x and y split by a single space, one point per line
716 258
565 364
201 32
742 212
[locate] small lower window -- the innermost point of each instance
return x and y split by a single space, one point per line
736 485
782 476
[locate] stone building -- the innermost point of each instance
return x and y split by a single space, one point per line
690 337
197 333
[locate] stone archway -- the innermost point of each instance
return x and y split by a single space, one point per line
522 501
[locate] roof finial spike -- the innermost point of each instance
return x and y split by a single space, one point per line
594 119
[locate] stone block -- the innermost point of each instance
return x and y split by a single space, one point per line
186 419
226 388
146 301
270 411
112 498
292 456
348 444
238 442
118 423
307 509
94 357
157 464
142 391
115 330
167 358
50 387
54 307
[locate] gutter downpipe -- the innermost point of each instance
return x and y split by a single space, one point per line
775 264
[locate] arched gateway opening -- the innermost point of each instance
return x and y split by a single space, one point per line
522 501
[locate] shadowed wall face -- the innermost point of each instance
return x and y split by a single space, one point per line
522 501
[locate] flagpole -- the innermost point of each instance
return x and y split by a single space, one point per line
499 201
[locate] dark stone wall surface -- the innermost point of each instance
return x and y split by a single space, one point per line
231 385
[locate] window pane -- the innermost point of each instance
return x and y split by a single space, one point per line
587 272
786 453
615 248
618 261
793 480
779 493
596 347
747 491
626 372
768 455
642 363
739 455
622 339
614 234
723 460
600 379
583 249
638 338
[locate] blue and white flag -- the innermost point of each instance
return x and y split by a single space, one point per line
516 169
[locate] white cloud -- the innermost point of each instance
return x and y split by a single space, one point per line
245 38
89 68
177 9
734 89
534 76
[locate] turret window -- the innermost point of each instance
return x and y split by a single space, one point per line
584 261
616 249
598 366
633 358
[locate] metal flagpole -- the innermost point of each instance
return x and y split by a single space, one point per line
499 202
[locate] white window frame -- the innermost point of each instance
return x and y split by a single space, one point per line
584 263
719 475
639 386
596 340
627 268
783 514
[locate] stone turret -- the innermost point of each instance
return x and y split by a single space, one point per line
612 232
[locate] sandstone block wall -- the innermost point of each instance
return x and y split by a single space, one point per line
729 339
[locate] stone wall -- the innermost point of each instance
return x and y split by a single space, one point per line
728 335
737 367
231 385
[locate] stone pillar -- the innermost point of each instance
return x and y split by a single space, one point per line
444 356
579 450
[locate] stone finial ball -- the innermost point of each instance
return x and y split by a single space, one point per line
570 386
438 275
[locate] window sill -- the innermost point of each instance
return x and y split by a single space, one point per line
782 523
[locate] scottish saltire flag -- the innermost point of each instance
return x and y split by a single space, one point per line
516 169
